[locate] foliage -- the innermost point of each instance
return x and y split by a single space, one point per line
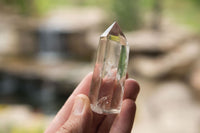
185 12
127 13
23 6
19 129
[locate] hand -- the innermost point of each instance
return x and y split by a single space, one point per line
76 116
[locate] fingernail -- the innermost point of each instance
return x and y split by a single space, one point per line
78 105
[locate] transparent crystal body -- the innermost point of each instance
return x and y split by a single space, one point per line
107 87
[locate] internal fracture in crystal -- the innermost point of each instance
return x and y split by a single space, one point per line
107 87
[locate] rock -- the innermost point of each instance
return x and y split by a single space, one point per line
169 109
63 32
177 61
9 40
17 34
162 41
195 77
66 72
92 39
74 19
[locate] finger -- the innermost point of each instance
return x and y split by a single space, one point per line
80 119
97 120
107 123
124 121
63 114
131 90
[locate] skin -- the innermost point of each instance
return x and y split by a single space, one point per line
68 120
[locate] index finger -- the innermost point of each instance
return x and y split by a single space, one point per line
131 89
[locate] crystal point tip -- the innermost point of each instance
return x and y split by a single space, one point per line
114 29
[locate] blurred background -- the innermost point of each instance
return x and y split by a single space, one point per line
48 46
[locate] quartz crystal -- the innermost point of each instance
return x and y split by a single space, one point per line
107 87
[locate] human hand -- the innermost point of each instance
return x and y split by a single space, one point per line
76 116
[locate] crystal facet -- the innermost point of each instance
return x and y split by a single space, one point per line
107 87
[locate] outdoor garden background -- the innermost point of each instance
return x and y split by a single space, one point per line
48 46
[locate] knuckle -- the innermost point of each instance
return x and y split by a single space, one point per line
69 127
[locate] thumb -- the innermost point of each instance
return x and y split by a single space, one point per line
80 118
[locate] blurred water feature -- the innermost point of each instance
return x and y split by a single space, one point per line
41 95
50 46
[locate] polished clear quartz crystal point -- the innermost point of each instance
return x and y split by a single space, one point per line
107 87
